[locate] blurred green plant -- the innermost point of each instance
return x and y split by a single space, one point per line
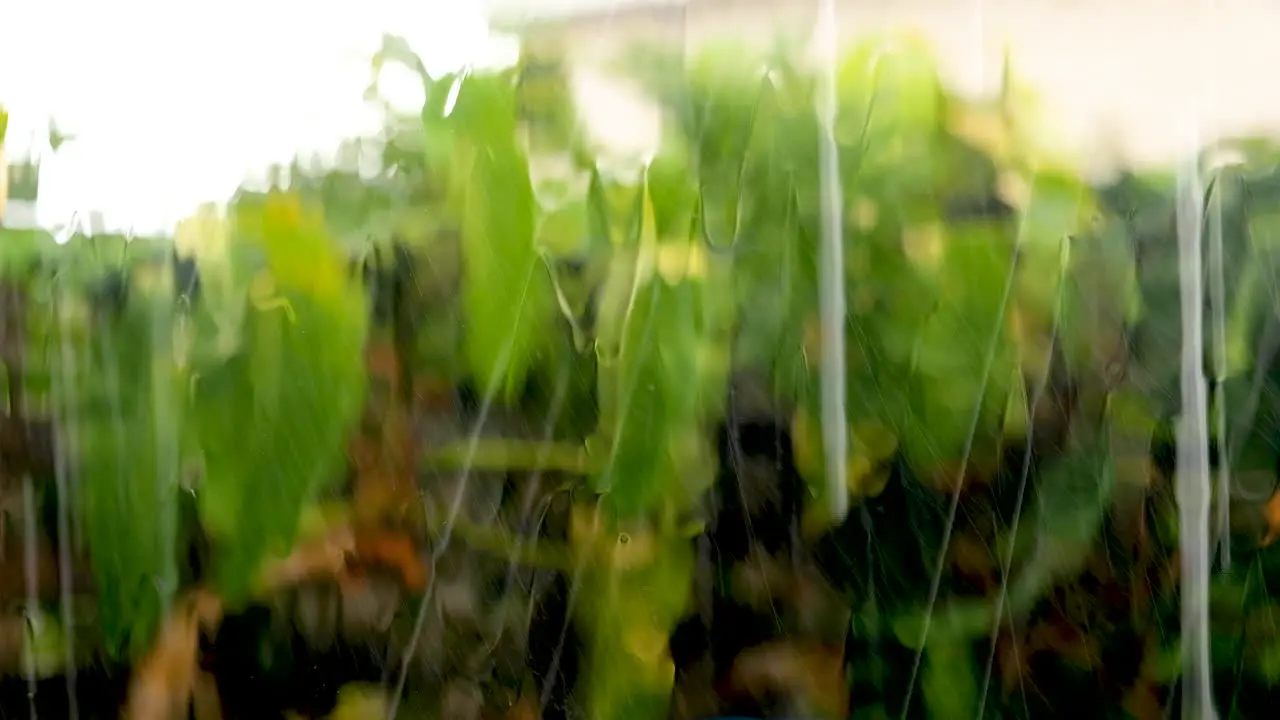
980 269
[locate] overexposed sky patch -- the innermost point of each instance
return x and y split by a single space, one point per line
175 103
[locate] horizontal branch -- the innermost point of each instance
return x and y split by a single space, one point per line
497 454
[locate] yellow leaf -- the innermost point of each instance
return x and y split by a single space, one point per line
680 260
646 642
871 445
806 447
874 440
924 244
203 235
584 531
983 128
4 181
875 483
300 253
283 210
856 470
865 213
357 701
632 549
812 341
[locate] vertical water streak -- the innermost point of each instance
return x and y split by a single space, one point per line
1193 485
63 392
831 267
446 535
1218 310
30 563
1193 453
1210 73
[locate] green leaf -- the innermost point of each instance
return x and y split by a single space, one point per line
563 232
1099 305
775 255
273 420
124 395
962 619
21 250
507 292
632 611
891 110
1072 498
273 417
668 313
967 330
950 678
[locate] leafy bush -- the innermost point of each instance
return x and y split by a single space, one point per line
1011 371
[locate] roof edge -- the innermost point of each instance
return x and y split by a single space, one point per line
516 21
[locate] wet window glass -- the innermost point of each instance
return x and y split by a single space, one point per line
638 360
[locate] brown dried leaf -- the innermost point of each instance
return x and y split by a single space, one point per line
816 671
342 553
396 551
1142 702
1272 514
1012 656
206 704
432 395
384 454
1067 641
972 559
13 578
164 682
525 708
324 557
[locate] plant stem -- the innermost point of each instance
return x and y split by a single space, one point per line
523 551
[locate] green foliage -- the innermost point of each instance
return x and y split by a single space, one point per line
272 417
659 337
507 295
1071 508
23 251
950 683
964 358
633 596
120 388
646 292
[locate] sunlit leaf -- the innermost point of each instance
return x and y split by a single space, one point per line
272 418
507 292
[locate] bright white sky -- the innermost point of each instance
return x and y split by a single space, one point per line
177 101
174 103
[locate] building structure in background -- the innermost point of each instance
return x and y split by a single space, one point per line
1131 83
21 178
1128 83
525 13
